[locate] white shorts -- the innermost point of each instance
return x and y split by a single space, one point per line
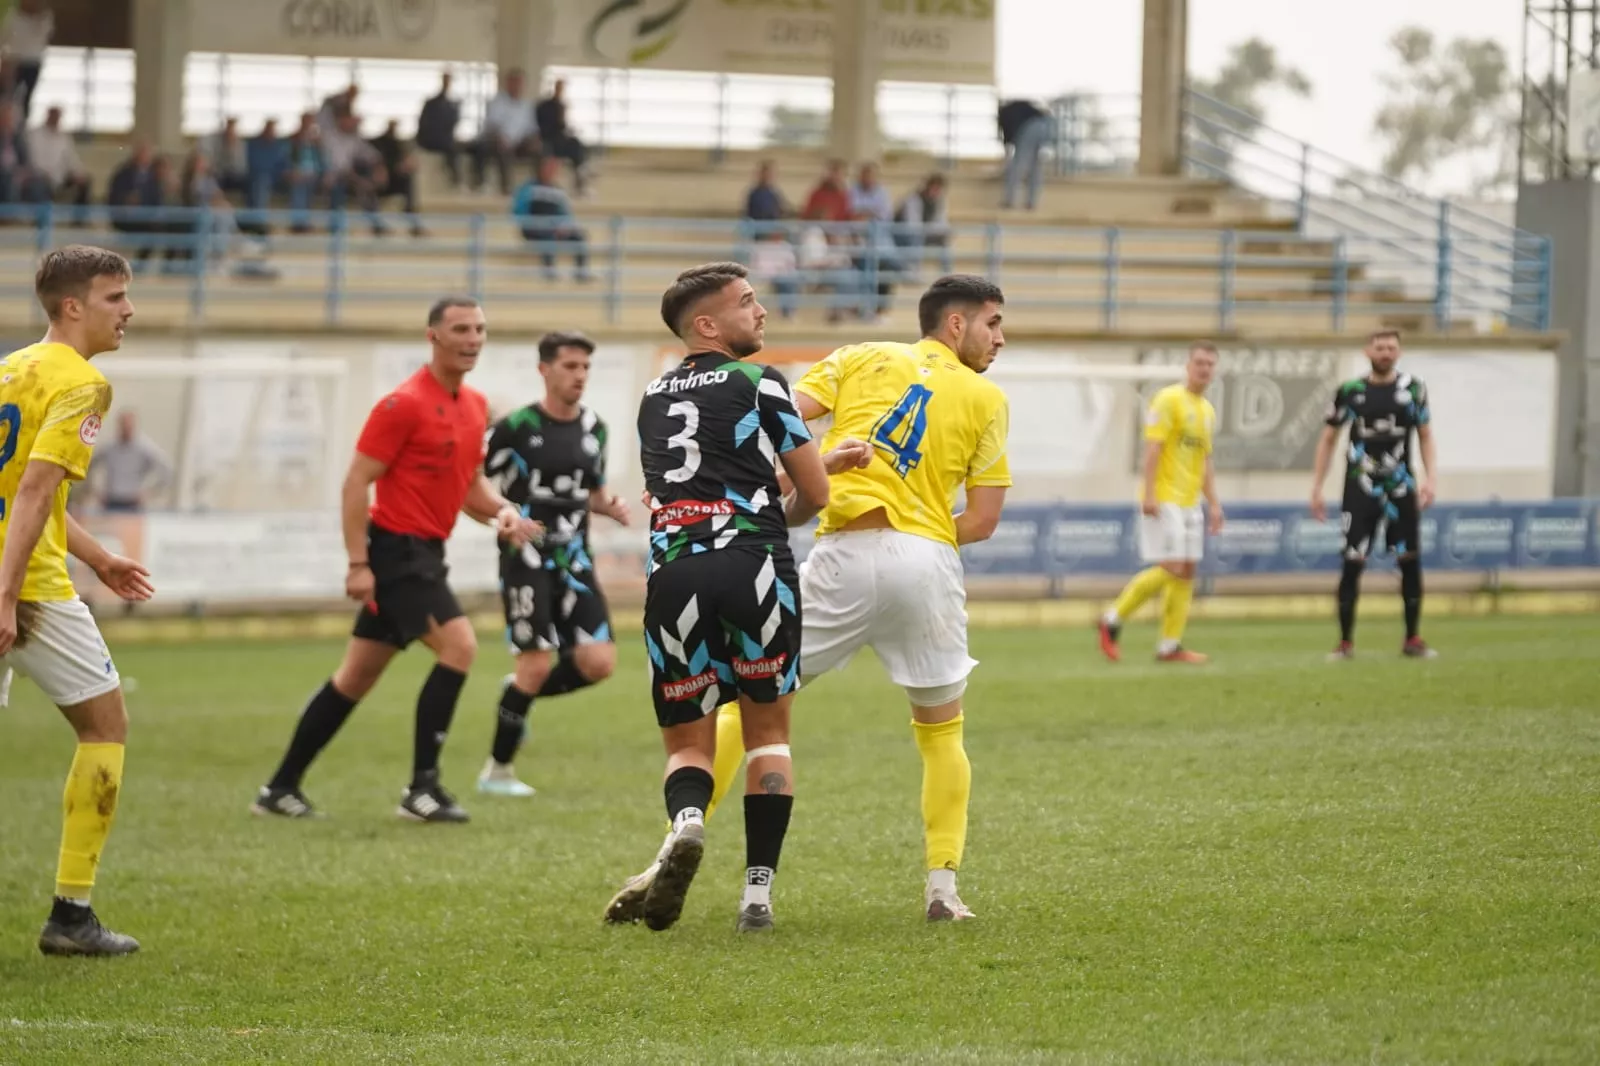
62 652
1176 535
903 596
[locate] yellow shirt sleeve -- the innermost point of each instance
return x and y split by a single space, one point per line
989 466
821 382
1161 419
71 426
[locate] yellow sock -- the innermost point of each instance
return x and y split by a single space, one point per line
88 805
730 753
1145 584
946 786
1175 611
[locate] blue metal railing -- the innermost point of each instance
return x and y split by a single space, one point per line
1218 280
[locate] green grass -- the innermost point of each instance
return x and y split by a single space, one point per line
1272 859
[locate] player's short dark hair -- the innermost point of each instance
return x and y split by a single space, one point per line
1203 346
71 270
1379 334
968 292
551 343
445 303
694 285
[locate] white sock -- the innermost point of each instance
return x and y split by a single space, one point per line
1166 647
688 815
942 882
1111 618
757 886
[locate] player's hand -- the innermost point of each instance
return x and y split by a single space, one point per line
617 510
510 524
1428 494
8 625
360 584
126 577
851 454
1319 510
1150 507
1215 519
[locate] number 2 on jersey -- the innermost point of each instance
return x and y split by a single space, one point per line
899 432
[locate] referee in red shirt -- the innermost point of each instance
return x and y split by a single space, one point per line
422 447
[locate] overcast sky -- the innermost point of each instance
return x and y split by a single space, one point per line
1051 46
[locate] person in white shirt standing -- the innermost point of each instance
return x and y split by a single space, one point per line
24 36
509 133
54 157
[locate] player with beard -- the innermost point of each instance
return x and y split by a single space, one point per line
1381 492
549 458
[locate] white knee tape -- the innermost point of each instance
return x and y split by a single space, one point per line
936 696
767 749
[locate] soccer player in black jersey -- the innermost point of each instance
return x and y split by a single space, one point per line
549 458
722 603
1382 494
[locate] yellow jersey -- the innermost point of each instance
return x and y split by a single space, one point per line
936 425
52 403
1182 422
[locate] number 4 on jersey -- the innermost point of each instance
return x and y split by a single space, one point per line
899 431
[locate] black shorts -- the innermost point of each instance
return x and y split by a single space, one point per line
412 590
1397 517
551 608
721 624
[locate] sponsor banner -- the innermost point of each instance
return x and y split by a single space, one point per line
1270 403
925 40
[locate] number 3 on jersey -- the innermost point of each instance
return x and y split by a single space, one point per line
899 431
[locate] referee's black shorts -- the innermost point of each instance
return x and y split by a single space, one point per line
412 591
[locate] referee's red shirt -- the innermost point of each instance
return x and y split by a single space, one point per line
432 443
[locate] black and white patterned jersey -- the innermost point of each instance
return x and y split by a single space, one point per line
709 431
548 467
1382 419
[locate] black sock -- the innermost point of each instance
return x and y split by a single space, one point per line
1411 593
509 724
687 788
321 719
766 822
564 678
1349 592
436 707
65 911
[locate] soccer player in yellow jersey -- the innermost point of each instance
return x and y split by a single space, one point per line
1177 475
885 572
52 404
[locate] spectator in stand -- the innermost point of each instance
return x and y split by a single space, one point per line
302 174
1024 130
544 210
336 108
436 129
56 165
871 204
352 167
765 202
127 470
229 157
400 166
869 199
830 200
200 188
774 265
16 176
509 133
922 222
24 38
266 162
131 187
559 140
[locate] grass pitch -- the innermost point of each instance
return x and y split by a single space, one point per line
1272 859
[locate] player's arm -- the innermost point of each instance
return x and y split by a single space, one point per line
1159 424
354 502
805 488
25 519
603 501
1338 414
809 480
988 477
1430 456
982 514
1208 488
485 504
123 576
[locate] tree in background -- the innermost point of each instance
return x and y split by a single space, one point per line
1454 104
1230 107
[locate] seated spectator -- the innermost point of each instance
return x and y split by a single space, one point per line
830 200
15 173
870 203
200 188
544 209
56 165
773 264
1024 129
140 191
765 202
25 35
352 167
869 199
509 133
302 172
558 139
922 222
436 129
266 162
400 165
229 157
828 269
